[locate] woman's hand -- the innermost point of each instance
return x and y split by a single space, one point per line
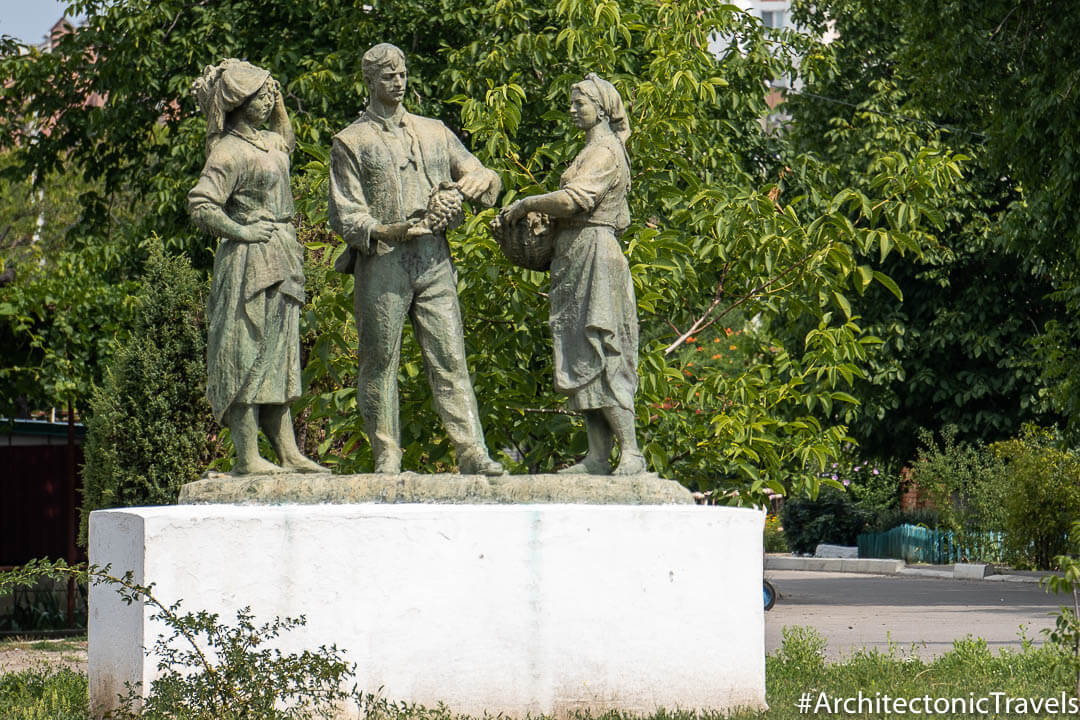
513 212
259 231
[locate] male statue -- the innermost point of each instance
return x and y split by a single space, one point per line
383 169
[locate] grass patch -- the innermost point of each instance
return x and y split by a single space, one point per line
59 645
42 693
56 645
969 670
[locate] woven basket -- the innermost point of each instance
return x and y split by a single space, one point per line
530 243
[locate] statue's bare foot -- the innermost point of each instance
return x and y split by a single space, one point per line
258 466
301 464
631 465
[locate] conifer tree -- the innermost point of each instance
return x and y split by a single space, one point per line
149 423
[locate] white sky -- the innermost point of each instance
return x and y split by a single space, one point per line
29 20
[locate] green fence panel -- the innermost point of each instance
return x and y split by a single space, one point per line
916 544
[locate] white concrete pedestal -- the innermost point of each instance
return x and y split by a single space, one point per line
505 608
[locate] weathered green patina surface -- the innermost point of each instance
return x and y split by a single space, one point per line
643 489
394 178
593 311
243 197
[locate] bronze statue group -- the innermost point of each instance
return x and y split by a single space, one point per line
397 181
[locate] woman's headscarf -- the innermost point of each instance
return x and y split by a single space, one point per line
606 97
223 88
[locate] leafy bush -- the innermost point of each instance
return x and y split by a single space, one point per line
207 669
43 694
831 518
854 493
1044 498
237 679
148 426
1025 487
967 484
802 653
1065 635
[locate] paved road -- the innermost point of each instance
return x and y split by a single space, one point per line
920 615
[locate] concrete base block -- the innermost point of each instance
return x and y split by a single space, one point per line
442 488
836 551
971 571
500 609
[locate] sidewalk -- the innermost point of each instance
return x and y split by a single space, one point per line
959 571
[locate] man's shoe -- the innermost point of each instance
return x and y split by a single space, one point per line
300 464
477 462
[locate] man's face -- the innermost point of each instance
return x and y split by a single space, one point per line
389 83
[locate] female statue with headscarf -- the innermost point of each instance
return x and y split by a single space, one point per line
243 197
593 311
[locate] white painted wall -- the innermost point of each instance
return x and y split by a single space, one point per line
513 608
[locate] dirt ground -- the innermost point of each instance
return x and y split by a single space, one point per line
18 655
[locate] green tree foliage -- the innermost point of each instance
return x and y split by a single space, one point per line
34 220
42 692
1011 70
958 351
58 324
718 242
147 431
68 292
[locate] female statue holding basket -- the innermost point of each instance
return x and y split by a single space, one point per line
593 311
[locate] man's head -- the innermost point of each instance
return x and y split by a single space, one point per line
384 73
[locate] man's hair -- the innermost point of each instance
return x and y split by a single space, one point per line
379 57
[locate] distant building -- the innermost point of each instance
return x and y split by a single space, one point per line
775 15
59 29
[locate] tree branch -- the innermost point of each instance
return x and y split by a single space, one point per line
177 18
704 321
